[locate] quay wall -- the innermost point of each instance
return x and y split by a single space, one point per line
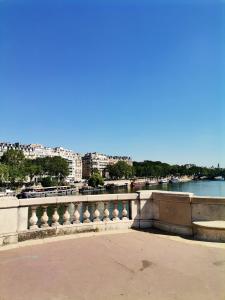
177 213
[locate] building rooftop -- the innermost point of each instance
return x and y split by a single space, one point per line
124 265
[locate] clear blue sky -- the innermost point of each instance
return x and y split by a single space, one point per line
140 78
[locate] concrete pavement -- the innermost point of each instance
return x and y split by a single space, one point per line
128 265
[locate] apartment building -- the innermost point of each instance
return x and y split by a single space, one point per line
93 161
100 162
33 151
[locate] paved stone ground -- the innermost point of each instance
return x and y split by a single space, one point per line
132 265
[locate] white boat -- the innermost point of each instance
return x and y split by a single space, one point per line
174 180
220 178
163 181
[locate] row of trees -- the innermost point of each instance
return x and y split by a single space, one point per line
15 169
153 169
159 169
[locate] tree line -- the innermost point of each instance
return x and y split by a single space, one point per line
15 169
159 169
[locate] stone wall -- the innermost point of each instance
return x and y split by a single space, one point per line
167 211
176 212
207 209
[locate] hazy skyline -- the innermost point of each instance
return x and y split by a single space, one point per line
138 78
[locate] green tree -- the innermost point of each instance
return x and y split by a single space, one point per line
4 172
96 179
53 166
120 170
58 167
16 174
32 169
48 181
13 157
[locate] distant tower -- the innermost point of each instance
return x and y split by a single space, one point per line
218 166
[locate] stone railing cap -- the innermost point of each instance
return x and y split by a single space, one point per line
174 193
80 198
9 202
207 200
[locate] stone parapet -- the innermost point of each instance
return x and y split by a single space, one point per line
169 211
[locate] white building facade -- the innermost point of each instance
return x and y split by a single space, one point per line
100 162
33 151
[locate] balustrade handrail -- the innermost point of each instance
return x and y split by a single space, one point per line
73 199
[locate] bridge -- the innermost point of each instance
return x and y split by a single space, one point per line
144 245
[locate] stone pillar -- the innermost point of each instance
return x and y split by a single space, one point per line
33 219
55 217
86 215
76 215
124 211
44 218
66 216
96 213
115 212
106 212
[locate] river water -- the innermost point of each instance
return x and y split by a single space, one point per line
211 188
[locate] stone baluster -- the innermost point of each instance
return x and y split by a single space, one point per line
44 218
106 212
124 211
33 219
115 212
86 215
66 216
96 213
55 217
76 215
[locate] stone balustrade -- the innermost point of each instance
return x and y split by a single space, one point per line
180 213
77 213
22 219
